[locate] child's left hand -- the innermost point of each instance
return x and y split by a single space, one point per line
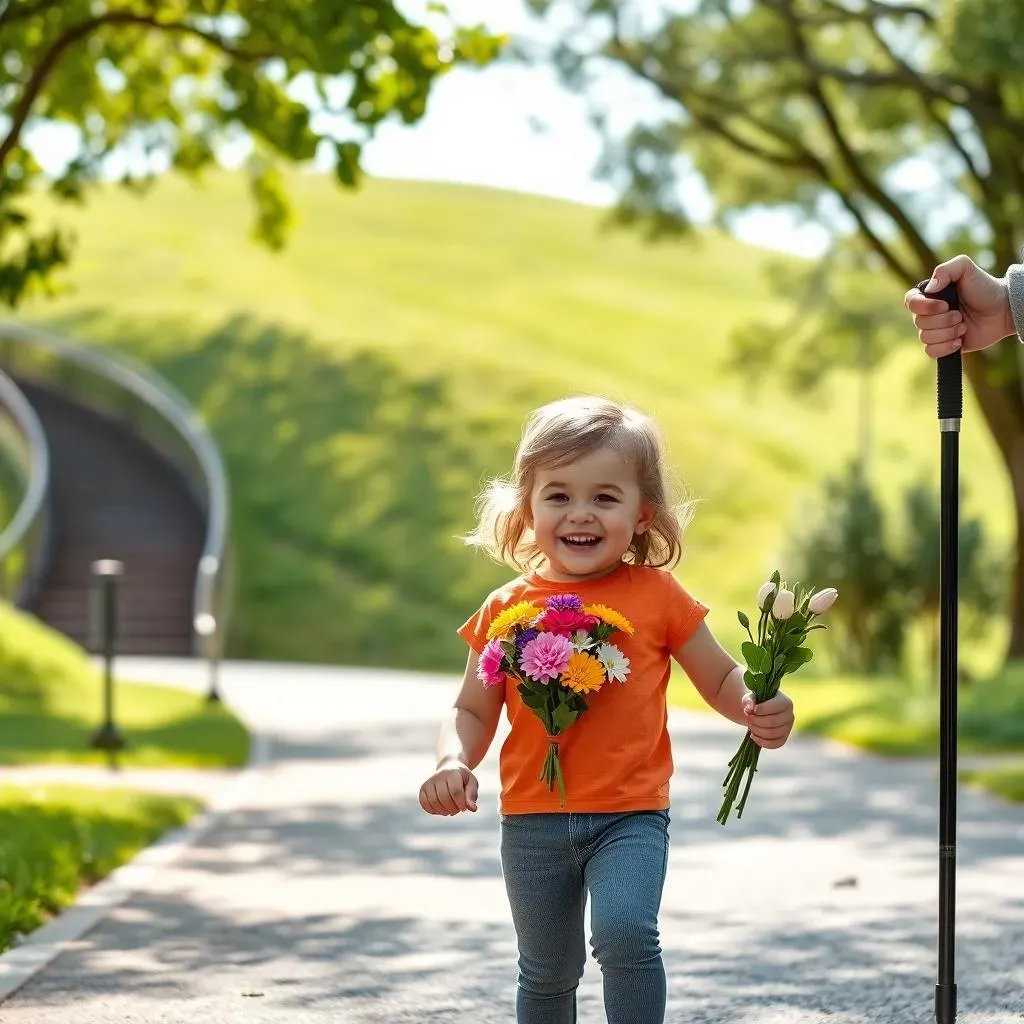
771 722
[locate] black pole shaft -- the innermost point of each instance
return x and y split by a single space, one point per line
109 620
950 409
103 640
945 990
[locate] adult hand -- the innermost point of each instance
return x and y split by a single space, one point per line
769 722
984 316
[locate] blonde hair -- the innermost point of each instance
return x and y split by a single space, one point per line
563 432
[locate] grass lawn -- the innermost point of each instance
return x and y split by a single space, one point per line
56 839
364 382
1005 782
51 704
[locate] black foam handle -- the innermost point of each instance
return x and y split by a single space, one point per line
949 381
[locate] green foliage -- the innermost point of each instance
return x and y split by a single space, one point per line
37 663
889 581
178 79
55 840
1007 782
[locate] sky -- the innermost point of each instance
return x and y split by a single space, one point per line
511 126
481 127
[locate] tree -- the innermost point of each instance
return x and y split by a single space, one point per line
829 107
177 79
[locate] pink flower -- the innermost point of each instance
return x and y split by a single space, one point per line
566 621
488 668
546 657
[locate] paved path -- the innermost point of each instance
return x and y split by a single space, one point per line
328 896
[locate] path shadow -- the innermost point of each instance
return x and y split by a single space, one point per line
330 896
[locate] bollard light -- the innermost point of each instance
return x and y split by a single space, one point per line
205 626
106 574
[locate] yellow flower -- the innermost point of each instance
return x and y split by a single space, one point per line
511 616
583 674
610 616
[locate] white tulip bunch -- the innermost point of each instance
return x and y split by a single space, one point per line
783 625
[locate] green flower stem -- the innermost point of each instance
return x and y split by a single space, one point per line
558 772
551 772
752 768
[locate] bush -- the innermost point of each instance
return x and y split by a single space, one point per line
889 580
54 840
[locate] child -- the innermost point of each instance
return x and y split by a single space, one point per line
587 514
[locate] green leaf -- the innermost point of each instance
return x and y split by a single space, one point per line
347 168
533 700
758 659
563 716
273 211
797 657
744 621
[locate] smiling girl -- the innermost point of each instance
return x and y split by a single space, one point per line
586 513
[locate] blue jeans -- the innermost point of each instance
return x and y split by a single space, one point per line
549 862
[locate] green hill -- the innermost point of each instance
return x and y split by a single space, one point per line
365 381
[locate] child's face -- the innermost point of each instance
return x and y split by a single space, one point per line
585 514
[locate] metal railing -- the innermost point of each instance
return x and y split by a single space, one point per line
153 408
24 542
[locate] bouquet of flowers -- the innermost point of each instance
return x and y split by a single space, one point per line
782 628
559 652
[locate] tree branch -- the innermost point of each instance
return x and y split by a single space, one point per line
809 161
873 11
939 86
902 272
78 32
850 159
800 155
805 160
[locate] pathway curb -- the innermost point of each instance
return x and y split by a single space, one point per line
45 944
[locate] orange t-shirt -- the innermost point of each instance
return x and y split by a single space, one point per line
617 755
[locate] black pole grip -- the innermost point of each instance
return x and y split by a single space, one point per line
949 382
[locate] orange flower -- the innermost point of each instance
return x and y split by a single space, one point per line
583 674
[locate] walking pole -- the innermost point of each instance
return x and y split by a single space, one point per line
950 402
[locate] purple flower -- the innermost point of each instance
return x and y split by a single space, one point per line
524 638
564 603
546 656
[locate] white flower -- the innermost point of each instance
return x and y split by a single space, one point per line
822 600
763 594
581 640
615 663
785 605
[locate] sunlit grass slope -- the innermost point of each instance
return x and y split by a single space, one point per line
364 382
51 705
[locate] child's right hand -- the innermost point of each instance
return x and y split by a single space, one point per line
452 788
